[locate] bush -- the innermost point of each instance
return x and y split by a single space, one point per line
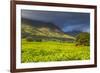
83 39
30 39
38 40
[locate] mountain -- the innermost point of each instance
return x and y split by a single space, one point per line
73 33
40 28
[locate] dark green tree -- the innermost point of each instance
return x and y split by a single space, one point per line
83 39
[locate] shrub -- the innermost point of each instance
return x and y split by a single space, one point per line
38 40
30 39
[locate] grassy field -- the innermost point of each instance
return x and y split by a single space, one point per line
53 51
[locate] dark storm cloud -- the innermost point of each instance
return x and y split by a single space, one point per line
67 21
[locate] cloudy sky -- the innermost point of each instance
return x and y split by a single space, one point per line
67 21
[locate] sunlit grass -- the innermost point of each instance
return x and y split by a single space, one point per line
53 51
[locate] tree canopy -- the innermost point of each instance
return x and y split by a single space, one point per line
83 39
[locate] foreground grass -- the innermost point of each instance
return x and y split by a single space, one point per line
53 51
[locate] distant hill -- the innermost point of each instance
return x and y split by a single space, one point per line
40 28
73 33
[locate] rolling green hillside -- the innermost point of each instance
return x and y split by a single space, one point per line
40 28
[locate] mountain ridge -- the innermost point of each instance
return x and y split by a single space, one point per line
40 28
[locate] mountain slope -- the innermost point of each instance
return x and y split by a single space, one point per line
73 33
40 28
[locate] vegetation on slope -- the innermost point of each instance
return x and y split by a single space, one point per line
39 28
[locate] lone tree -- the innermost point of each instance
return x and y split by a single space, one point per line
83 39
